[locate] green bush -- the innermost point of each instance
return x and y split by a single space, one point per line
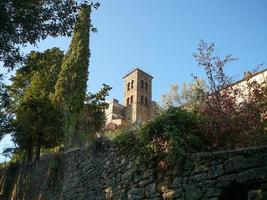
172 134
127 137
165 139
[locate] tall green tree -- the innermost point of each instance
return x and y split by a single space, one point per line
28 21
38 122
70 89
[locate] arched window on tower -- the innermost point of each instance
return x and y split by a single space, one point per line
132 84
128 101
142 99
146 85
132 99
142 83
128 86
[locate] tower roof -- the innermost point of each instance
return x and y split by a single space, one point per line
137 69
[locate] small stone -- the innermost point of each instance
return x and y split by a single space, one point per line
136 193
192 192
147 173
145 182
177 182
150 190
216 171
213 192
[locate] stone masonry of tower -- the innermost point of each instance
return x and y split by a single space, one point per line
138 105
137 96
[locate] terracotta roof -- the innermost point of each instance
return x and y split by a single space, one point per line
138 70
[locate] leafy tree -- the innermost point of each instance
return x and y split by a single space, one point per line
28 21
38 65
38 122
70 88
4 115
94 118
189 96
231 116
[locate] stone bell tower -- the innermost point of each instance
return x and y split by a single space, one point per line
138 96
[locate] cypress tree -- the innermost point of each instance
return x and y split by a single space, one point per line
70 89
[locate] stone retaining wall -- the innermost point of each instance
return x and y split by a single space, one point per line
105 173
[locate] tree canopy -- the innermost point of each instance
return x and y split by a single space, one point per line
48 97
232 116
28 21
188 96
37 122
93 118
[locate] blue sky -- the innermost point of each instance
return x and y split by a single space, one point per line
160 36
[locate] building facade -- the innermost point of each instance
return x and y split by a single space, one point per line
138 106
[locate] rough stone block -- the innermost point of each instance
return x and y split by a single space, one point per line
177 182
136 193
213 192
192 192
150 190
